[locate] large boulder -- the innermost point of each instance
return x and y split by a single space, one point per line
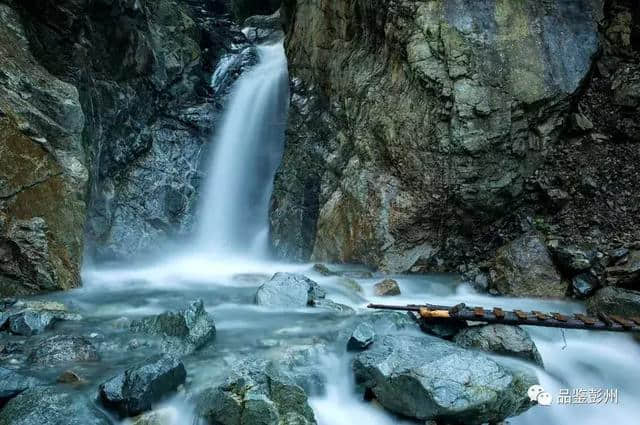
524 267
362 337
43 170
386 288
500 339
255 393
13 383
289 290
182 332
136 389
427 378
51 406
610 300
60 349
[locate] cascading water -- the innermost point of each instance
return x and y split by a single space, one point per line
247 151
233 217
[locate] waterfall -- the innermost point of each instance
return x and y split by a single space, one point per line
247 150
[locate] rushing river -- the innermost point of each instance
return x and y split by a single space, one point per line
233 221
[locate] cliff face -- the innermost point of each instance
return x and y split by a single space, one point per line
106 109
419 129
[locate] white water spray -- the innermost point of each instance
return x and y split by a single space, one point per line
247 151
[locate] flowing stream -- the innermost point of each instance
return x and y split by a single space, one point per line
234 221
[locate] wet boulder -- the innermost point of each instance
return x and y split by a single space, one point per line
303 365
524 268
500 339
136 389
361 338
610 300
427 378
289 290
326 304
182 332
13 383
33 317
255 392
50 406
61 349
386 288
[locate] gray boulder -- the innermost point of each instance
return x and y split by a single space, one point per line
255 392
33 317
610 300
387 287
361 338
50 406
13 383
182 332
63 349
427 378
500 339
289 290
524 268
136 389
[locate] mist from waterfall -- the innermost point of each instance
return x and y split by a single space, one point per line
233 215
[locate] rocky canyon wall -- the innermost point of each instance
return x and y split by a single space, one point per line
424 135
106 110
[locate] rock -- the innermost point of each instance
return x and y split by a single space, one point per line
500 339
255 393
386 288
33 317
163 416
264 28
584 284
441 328
493 119
135 390
305 366
610 300
350 284
580 122
63 349
626 275
361 338
183 332
50 406
323 270
70 377
573 260
13 383
289 290
43 168
524 268
427 378
329 305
